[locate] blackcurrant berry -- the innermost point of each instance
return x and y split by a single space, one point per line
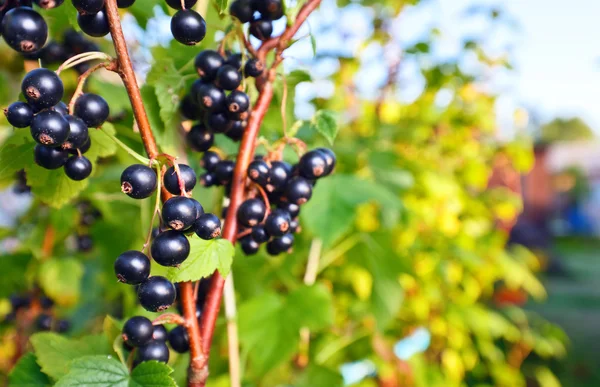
187 175
19 114
208 180
95 24
160 333
63 326
170 248
42 88
249 246
53 52
298 190
277 223
280 245
44 322
156 294
48 4
242 10
50 158
261 29
154 350
208 63
251 212
209 161
210 97
78 133
78 168
179 213
132 267
228 77
24 29
49 128
137 331
188 27
189 108
92 109
19 302
224 171
176 4
46 303
312 165
258 172
259 233
292 208
84 148
85 243
279 174
179 340
88 7
125 3
218 122
237 102
236 132
235 61
254 68
199 208
294 226
61 108
330 159
270 9
208 226
138 181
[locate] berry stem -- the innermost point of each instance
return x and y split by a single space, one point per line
81 58
130 151
110 66
169 318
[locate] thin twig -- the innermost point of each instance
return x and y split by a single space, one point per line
232 333
110 66
169 318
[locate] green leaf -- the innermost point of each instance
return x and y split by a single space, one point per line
112 330
152 374
13 268
101 371
16 153
168 84
316 299
204 259
325 123
222 6
102 145
27 373
316 375
61 280
54 352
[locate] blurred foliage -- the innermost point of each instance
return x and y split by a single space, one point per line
565 129
405 232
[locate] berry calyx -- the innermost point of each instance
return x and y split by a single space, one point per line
42 88
49 128
170 248
228 77
298 190
208 226
188 27
277 223
179 340
179 213
251 212
154 350
132 267
19 114
237 102
49 157
24 29
95 24
138 181
78 168
208 63
156 294
137 331
92 109
171 180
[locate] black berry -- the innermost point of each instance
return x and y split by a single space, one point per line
249 246
236 132
270 9
160 333
42 88
208 63
53 52
210 160
254 68
170 248
92 109
19 114
132 267
177 3
49 157
242 10
44 322
24 29
312 165
259 233
61 108
208 180
154 350
298 190
188 27
125 3
78 168
78 133
137 331
179 213
228 77
279 174
156 294
261 29
237 102
95 25
277 223
258 172
187 175
280 245
189 108
85 243
49 128
251 212
218 122
179 340
224 171
208 226
63 326
210 97
294 226
330 159
292 208
138 181
235 61
88 7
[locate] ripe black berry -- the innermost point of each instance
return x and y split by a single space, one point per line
188 27
177 3
228 77
312 165
208 63
50 158
249 246
224 171
95 25
179 213
49 128
258 172
84 148
198 207
280 245
236 132
42 88
210 97
78 133
63 326
237 102
46 303
88 7
186 174
18 302
24 29
261 29
44 322
235 61
78 168
160 333
53 52
19 114
251 212
138 181
259 233
154 350
156 294
330 159
125 3
298 190
292 208
270 9
209 161
279 174
294 226
132 267
208 180
277 223
218 122
189 108
137 331
254 68
242 10
208 226
92 109
61 108
170 248
179 340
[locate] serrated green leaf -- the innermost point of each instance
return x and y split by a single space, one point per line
152 374
102 145
222 6
54 352
205 257
168 84
61 280
27 373
101 371
325 123
15 154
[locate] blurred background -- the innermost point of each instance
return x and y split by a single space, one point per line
459 236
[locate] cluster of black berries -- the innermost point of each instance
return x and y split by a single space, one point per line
187 26
92 18
73 44
23 28
37 306
261 27
181 215
88 215
287 188
215 100
62 138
